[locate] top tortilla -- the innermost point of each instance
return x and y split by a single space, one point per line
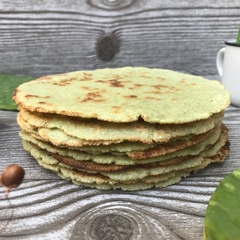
125 95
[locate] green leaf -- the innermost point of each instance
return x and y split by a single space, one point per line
238 36
222 219
7 85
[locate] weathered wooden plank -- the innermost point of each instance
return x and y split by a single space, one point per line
45 37
46 207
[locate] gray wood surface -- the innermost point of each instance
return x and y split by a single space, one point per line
47 207
39 37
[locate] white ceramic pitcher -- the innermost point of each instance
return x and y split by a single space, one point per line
228 66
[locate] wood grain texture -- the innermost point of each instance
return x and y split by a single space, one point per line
43 37
40 37
47 207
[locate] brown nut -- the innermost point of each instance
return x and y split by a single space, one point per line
12 176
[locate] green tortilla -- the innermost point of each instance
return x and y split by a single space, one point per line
50 125
108 158
137 181
125 95
127 128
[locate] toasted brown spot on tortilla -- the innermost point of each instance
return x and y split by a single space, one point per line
174 99
65 82
137 85
222 153
87 76
160 78
130 96
154 92
35 96
15 92
87 165
183 82
95 96
45 103
116 83
101 81
116 109
174 161
85 88
159 87
31 96
144 76
153 98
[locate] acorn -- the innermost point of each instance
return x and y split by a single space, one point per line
12 176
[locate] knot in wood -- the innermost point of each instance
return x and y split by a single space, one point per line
107 46
107 226
111 5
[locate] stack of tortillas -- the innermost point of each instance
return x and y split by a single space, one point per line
127 128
